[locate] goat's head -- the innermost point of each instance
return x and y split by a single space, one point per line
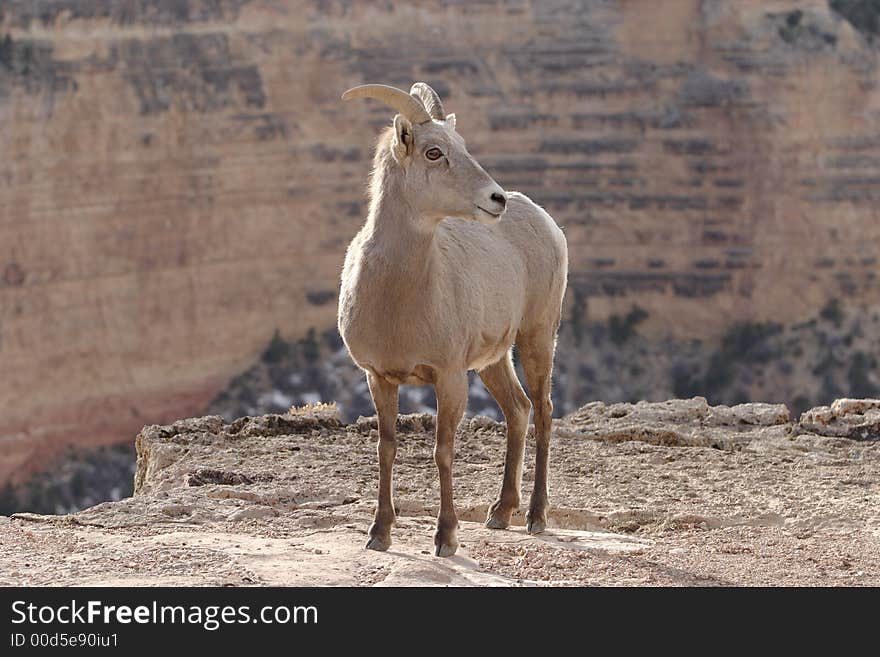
441 179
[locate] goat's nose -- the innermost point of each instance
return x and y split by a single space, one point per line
499 198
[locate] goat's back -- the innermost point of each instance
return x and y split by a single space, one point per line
526 248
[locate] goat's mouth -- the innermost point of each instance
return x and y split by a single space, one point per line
494 215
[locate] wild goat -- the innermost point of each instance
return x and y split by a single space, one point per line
446 275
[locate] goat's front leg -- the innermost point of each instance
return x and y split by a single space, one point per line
452 389
385 400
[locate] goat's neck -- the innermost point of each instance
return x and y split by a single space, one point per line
403 245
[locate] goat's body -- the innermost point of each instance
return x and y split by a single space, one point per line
425 299
468 295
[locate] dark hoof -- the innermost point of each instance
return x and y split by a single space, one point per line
499 514
536 526
445 550
445 542
378 543
495 523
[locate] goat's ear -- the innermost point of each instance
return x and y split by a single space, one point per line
450 119
403 138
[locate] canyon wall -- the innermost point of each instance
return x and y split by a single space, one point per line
179 178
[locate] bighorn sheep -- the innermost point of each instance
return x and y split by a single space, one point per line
446 275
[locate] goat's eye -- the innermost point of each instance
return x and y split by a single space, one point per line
433 154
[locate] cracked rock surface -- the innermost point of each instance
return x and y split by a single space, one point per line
670 493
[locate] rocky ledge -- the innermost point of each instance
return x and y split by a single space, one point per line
671 493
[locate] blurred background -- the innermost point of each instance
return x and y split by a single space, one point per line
179 181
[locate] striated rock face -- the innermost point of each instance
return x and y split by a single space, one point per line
179 179
670 493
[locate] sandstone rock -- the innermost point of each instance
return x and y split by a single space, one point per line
678 422
412 422
253 513
278 425
858 419
752 413
208 476
640 493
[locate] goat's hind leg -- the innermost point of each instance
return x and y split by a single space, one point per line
500 379
385 399
536 355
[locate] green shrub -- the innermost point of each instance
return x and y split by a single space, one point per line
6 52
748 341
576 317
857 375
800 404
309 347
832 312
864 15
277 349
621 329
9 502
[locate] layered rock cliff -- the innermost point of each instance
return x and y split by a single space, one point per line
179 179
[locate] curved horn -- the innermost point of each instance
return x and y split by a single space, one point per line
429 99
407 105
